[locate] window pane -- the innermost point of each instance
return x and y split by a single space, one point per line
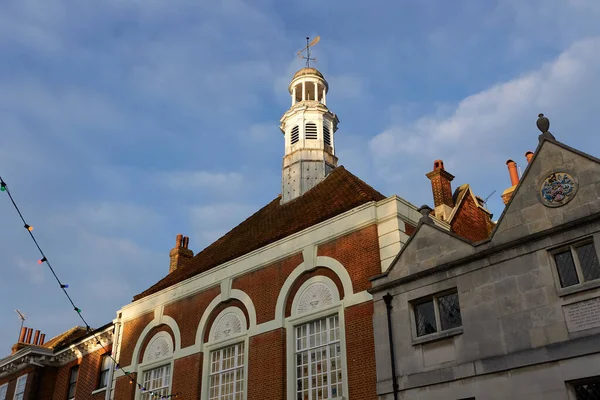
3 390
566 269
588 260
226 380
156 380
449 311
588 391
425 318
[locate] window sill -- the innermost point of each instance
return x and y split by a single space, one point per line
578 288
99 390
432 337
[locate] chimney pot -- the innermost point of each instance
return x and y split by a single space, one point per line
438 164
529 156
36 337
28 338
178 240
42 338
512 170
23 333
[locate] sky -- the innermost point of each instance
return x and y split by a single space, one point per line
126 122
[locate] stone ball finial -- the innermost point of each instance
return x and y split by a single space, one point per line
425 210
543 123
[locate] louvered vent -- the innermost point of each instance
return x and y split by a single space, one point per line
295 134
326 135
311 131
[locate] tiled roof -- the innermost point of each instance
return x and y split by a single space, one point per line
67 337
339 192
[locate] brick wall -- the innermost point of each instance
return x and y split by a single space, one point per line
188 312
124 389
266 366
187 376
360 352
87 379
263 286
131 331
359 253
470 221
29 385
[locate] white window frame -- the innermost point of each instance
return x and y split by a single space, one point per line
21 378
144 367
3 391
215 345
295 319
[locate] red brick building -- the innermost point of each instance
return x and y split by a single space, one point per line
74 364
278 307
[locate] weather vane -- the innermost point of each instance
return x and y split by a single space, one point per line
307 57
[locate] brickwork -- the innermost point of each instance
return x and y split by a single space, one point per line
359 254
218 309
470 221
124 389
187 376
409 229
150 335
132 329
360 354
306 276
12 382
263 286
266 366
47 383
441 187
188 312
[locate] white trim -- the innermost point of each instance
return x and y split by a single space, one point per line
168 340
309 282
144 367
234 294
340 225
321 261
212 345
164 319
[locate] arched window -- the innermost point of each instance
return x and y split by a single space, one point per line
316 345
157 367
226 357
326 135
295 136
310 131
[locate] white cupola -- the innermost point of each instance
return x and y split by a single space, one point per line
308 127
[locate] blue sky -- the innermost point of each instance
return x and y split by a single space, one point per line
125 122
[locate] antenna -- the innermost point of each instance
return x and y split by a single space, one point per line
490 195
307 49
22 318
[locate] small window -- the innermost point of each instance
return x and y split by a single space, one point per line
73 382
104 370
437 313
158 381
20 389
577 263
295 134
588 389
3 390
326 135
227 373
311 131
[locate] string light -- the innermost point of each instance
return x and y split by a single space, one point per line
4 188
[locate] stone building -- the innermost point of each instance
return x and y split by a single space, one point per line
74 364
516 315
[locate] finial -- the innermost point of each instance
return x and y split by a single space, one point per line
425 211
307 57
543 123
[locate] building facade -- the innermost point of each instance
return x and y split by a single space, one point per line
74 364
278 307
516 315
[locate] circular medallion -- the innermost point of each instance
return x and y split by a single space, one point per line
558 189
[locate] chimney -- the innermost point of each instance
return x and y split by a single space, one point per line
514 180
28 338
22 336
529 156
180 253
36 337
442 190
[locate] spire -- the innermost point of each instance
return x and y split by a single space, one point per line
308 128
